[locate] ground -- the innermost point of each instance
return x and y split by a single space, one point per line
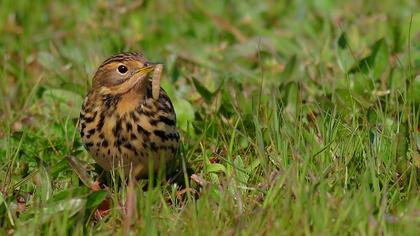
296 117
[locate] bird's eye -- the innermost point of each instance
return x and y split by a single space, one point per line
146 64
122 69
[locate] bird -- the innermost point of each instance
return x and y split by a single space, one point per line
127 120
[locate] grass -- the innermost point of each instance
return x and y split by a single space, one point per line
296 118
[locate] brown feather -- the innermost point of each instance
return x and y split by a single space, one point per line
122 125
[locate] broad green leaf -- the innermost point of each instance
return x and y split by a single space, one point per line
254 164
95 198
58 168
381 59
215 167
361 85
71 206
344 57
67 193
203 91
53 210
184 112
241 176
342 41
375 62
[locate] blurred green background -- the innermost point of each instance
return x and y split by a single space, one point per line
59 45
301 116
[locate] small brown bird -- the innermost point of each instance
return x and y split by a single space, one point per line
127 120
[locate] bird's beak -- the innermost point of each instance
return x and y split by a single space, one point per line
142 72
146 70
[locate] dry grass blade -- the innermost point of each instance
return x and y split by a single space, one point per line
80 171
199 180
130 206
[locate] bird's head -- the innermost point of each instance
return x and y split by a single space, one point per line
120 73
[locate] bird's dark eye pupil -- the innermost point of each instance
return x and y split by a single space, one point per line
122 69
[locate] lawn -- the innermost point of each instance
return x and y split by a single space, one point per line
296 117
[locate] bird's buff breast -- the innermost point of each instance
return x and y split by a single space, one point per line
125 131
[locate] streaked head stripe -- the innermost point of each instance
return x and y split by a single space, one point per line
126 56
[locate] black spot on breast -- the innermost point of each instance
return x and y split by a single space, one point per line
173 136
101 122
154 122
118 142
148 113
90 119
163 119
153 146
134 116
166 120
161 134
117 128
104 143
110 101
142 131
90 132
129 147
128 126
83 127
88 145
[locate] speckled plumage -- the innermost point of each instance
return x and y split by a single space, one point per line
122 125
